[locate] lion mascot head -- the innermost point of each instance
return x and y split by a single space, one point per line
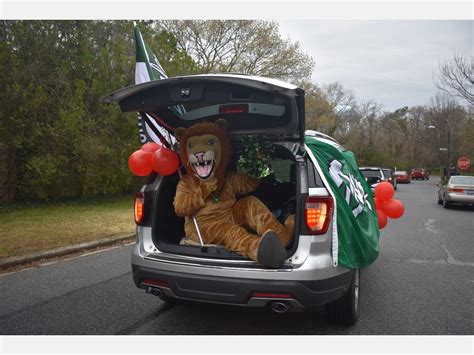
205 149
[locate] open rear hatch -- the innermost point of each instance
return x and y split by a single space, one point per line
268 108
251 105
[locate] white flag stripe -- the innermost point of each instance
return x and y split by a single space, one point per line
141 73
159 69
161 129
152 134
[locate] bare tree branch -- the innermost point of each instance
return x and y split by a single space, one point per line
456 77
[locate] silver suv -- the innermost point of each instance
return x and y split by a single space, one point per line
270 109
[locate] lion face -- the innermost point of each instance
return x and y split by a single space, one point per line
204 155
205 149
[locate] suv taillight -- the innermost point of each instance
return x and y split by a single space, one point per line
139 207
318 214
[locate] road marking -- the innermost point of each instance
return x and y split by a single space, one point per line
429 226
452 261
66 258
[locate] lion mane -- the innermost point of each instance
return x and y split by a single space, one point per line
218 129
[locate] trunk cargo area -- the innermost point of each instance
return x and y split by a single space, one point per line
277 191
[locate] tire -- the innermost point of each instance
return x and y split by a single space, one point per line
446 203
440 201
345 310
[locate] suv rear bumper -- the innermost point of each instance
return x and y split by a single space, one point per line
298 295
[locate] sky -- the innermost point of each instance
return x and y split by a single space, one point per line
391 62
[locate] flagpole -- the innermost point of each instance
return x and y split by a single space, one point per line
194 217
157 72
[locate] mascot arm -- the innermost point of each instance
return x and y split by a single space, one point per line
191 195
242 183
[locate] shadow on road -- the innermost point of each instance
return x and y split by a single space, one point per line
193 318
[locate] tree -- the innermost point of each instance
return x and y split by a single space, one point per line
249 47
58 139
456 77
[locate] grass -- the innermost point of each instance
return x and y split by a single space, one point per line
25 229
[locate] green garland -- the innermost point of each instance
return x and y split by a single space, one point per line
254 156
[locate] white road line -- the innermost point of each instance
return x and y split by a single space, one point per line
452 261
429 226
46 263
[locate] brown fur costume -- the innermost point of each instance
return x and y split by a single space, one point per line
209 192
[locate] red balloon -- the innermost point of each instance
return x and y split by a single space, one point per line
165 161
384 191
394 208
382 217
140 163
378 203
150 147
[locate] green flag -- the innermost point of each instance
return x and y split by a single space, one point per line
147 65
356 233
148 68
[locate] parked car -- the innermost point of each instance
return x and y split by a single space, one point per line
418 173
251 105
459 189
402 177
389 176
373 176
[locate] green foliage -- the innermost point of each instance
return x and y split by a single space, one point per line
64 141
254 156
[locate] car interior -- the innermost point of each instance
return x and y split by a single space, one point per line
277 191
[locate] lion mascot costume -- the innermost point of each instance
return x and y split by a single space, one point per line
209 193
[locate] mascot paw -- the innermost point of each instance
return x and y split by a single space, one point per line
271 251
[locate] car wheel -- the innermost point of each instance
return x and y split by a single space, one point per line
345 310
440 201
446 203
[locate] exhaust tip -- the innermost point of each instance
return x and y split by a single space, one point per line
154 291
279 307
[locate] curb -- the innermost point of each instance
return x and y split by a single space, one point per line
14 261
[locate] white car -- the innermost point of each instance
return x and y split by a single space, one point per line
373 176
459 189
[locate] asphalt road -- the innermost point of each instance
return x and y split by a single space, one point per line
422 283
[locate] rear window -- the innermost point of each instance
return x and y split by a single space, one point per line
282 170
463 180
386 173
400 173
370 173
314 180
245 108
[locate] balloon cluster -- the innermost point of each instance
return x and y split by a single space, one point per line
152 156
385 205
